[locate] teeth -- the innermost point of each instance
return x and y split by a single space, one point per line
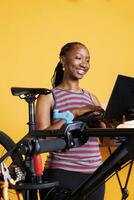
81 71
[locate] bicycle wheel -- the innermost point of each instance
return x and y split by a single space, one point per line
6 144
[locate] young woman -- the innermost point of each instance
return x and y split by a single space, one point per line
72 167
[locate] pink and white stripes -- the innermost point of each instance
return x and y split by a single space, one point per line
85 158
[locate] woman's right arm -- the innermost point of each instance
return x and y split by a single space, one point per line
44 107
43 111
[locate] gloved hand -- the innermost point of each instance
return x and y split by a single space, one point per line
67 115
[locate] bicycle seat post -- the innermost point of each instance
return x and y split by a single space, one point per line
30 99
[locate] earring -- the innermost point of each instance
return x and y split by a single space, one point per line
63 68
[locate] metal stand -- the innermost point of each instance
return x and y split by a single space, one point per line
121 155
124 190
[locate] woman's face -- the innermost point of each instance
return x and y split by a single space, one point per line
76 62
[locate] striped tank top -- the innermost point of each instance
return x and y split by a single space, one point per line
87 157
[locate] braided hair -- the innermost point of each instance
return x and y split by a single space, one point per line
59 72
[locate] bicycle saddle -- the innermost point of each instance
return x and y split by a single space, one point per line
17 91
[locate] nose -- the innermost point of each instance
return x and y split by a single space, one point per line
84 64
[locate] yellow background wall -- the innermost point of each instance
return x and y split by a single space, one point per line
31 35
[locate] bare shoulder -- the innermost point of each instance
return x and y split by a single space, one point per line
45 100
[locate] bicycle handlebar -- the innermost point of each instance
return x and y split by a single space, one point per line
57 144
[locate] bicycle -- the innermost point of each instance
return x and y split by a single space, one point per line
31 145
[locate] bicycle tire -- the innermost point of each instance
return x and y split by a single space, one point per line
15 159
8 144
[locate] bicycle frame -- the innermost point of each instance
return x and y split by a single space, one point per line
122 154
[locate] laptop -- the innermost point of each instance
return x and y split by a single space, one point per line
121 101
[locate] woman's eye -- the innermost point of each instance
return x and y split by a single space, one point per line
77 57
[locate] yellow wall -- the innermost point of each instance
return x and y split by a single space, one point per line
32 33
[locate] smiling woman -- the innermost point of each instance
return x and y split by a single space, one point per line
74 63
69 100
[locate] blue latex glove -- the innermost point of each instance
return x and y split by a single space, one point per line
67 115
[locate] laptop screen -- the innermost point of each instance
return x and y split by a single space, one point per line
121 99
